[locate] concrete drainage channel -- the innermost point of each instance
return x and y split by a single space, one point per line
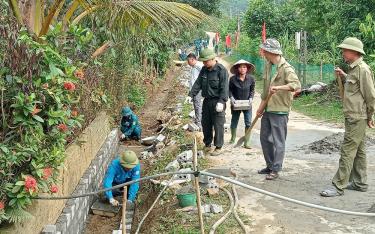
75 213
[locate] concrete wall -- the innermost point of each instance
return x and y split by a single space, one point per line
73 217
79 156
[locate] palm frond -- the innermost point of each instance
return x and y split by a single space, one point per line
125 15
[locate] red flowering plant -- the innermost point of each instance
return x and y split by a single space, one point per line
41 115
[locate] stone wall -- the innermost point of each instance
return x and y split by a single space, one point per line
73 217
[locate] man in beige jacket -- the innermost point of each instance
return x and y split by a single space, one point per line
273 129
358 108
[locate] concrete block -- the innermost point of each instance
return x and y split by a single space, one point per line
185 127
186 156
204 179
216 208
226 127
104 209
159 146
186 165
212 185
206 208
186 177
160 138
193 127
172 166
192 114
49 229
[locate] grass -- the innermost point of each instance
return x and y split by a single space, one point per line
318 106
174 221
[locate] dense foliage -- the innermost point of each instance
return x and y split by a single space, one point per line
326 22
53 86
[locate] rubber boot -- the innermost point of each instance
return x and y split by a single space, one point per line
233 132
247 144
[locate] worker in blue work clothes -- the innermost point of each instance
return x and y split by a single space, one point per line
130 126
123 169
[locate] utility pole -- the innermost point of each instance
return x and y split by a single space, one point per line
301 45
304 57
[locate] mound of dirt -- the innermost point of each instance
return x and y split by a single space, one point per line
331 144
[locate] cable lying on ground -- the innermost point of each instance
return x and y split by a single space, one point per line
232 181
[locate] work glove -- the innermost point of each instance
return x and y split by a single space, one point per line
219 107
122 137
232 100
114 202
130 205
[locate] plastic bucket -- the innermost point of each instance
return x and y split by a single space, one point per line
187 199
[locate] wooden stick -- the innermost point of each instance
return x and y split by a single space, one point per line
124 200
197 189
248 131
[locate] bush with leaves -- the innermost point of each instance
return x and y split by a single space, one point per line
38 114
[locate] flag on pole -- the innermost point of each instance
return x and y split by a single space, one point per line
263 37
264 32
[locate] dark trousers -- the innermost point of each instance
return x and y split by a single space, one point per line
212 120
273 133
120 191
247 115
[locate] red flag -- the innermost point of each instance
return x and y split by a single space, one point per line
264 32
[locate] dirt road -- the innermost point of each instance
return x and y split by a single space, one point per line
304 175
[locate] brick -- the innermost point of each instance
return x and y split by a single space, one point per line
49 229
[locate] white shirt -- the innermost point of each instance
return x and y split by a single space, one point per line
195 70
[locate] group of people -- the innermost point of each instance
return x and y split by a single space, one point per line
210 82
277 96
213 85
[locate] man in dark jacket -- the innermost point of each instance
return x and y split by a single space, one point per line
130 126
213 82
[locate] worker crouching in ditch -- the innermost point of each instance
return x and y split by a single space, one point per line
123 169
358 108
241 94
273 129
213 82
130 127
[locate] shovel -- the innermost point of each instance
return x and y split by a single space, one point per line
248 131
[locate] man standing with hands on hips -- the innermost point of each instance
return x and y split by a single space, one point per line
213 82
358 108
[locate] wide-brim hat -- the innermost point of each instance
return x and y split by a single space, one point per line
272 46
250 66
207 54
352 43
129 159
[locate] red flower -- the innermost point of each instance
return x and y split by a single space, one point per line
62 127
54 189
79 74
74 113
69 86
30 183
47 172
2 205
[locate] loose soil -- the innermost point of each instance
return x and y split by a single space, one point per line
331 144
159 98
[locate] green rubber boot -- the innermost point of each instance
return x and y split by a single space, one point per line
247 144
233 132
